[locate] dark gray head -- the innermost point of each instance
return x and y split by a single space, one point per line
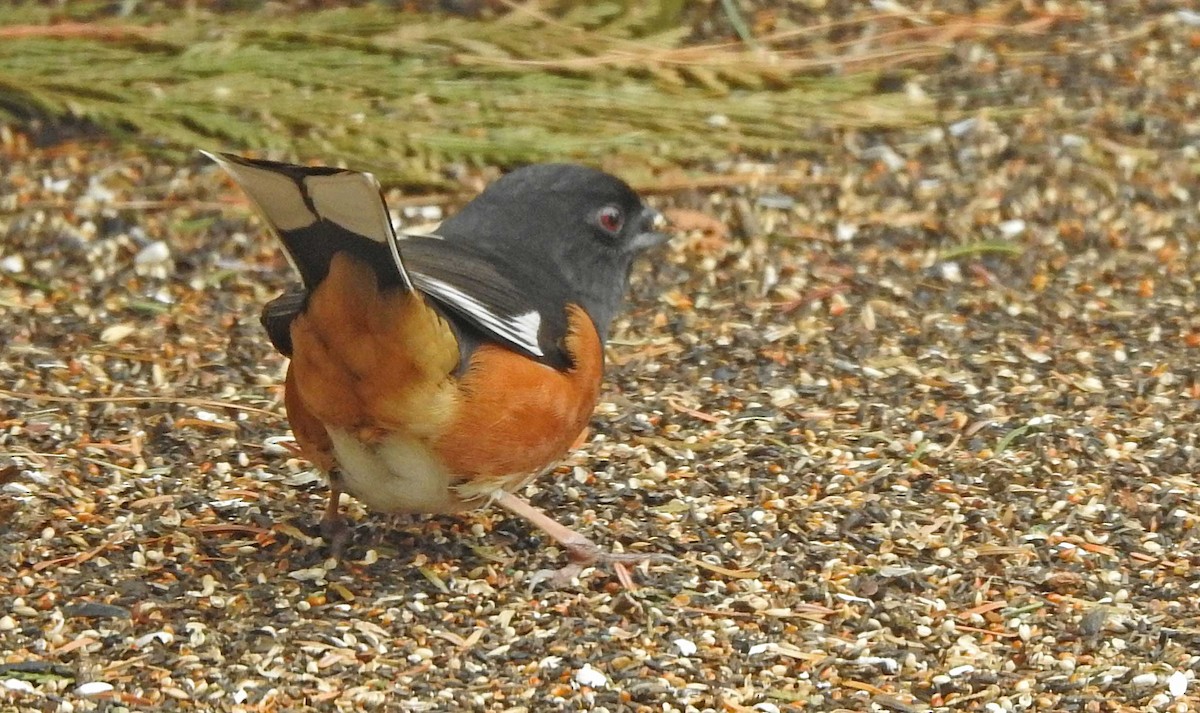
569 233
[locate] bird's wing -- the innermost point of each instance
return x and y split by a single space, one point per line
527 317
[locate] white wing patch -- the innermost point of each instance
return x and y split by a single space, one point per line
522 330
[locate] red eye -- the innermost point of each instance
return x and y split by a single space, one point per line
610 218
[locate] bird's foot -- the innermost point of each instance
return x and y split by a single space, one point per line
583 552
337 534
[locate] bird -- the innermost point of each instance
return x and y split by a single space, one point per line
443 372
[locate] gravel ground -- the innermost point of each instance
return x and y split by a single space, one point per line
918 415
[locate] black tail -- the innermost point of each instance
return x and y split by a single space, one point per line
317 211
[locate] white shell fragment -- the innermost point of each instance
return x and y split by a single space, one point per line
590 677
311 574
1144 679
153 254
94 688
1012 228
117 332
1177 684
13 264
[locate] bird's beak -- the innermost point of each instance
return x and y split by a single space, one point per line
653 233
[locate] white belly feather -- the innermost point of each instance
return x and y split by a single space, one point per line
396 475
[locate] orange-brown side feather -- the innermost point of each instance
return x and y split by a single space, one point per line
372 362
517 416
310 433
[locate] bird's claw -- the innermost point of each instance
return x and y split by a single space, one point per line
586 554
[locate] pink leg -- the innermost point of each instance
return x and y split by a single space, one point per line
582 551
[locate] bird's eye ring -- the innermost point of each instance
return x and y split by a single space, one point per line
610 218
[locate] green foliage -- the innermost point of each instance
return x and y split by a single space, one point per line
404 94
